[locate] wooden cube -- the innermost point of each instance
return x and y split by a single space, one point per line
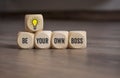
33 22
43 39
60 39
25 40
77 39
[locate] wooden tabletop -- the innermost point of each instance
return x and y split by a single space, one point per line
101 59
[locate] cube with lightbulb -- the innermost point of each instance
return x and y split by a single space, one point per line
33 22
34 37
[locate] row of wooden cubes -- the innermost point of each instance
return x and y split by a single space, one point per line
56 39
35 37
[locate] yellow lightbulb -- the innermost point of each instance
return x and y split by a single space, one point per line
34 23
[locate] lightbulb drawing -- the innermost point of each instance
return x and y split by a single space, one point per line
34 23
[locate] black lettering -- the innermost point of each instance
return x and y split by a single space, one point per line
24 40
80 40
63 40
37 40
72 40
55 40
59 40
46 40
42 40
77 40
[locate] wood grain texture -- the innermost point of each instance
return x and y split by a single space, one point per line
101 59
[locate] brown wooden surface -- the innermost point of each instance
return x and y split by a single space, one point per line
101 59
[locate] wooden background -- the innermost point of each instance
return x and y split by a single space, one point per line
101 20
101 59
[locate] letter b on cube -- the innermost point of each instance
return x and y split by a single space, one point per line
25 40
77 39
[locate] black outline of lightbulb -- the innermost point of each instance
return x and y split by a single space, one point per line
35 25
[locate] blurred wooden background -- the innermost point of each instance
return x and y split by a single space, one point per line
103 10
